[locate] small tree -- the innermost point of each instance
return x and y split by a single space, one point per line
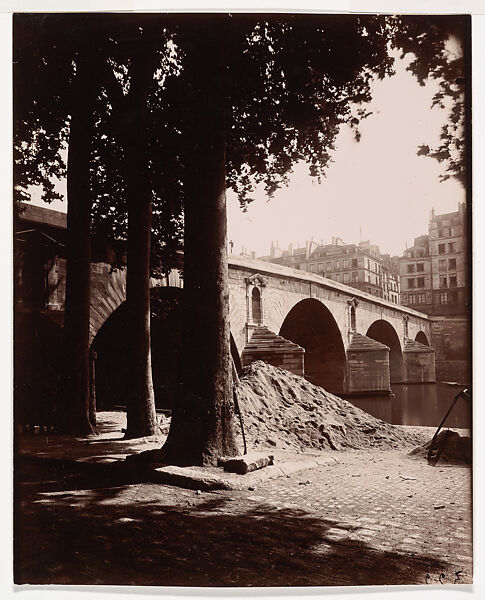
57 109
67 97
135 103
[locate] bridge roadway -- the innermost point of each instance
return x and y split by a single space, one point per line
337 336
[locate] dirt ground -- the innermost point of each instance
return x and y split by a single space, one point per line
370 513
367 517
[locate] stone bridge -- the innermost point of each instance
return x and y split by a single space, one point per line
346 340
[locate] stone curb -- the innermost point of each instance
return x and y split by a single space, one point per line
207 478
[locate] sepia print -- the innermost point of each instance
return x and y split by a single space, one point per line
242 306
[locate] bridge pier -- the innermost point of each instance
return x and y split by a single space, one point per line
274 350
367 366
418 363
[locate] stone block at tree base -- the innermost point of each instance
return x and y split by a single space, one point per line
246 463
195 478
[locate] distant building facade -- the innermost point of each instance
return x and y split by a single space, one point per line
433 273
361 266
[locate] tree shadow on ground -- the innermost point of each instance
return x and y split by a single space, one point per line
55 475
120 533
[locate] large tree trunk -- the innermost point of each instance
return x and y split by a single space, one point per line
141 416
78 254
202 421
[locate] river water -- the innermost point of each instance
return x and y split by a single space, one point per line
418 404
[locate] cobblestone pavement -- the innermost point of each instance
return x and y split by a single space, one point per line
373 517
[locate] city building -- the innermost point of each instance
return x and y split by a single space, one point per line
433 273
415 275
361 266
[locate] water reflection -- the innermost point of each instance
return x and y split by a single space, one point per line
418 404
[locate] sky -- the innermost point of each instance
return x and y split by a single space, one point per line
377 189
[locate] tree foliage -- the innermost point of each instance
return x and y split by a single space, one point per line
46 51
292 81
438 45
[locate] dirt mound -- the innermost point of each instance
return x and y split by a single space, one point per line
449 447
285 411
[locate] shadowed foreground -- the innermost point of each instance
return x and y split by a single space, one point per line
91 524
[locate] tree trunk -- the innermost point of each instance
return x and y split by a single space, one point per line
92 387
141 416
202 420
78 254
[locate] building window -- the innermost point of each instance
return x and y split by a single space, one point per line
320 267
452 247
410 268
337 266
410 284
256 305
329 267
345 264
453 297
443 297
443 281
452 280
441 248
442 264
337 277
355 277
420 267
421 298
352 318
412 298
354 262
420 282
452 263
346 277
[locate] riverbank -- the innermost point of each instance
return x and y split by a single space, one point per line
362 517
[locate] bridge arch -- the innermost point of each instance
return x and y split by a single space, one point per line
383 332
311 325
422 338
112 350
108 292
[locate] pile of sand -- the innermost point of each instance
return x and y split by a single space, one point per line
285 411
